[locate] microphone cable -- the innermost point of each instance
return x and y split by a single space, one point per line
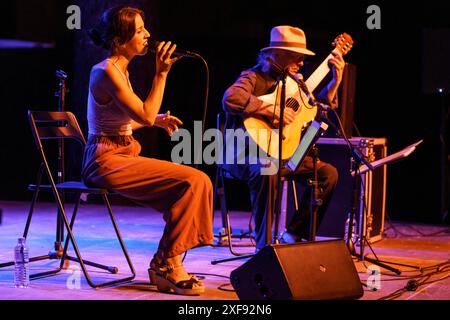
205 106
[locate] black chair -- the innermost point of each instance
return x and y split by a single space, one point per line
63 125
222 175
226 234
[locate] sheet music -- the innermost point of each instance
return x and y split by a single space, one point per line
389 159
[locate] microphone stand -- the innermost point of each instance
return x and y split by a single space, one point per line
275 240
315 201
61 94
284 75
57 251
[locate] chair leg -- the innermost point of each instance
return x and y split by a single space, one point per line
294 191
226 219
216 185
284 203
33 201
82 262
65 256
50 256
218 191
30 214
223 205
119 237
226 229
283 212
78 258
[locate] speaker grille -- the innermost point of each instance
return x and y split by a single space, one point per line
303 271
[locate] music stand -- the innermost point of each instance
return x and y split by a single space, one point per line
358 169
389 159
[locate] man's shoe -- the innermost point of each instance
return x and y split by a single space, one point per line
287 237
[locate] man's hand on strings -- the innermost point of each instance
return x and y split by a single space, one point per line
337 66
289 116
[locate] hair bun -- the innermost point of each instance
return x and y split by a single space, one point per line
115 22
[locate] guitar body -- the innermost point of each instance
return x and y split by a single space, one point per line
266 137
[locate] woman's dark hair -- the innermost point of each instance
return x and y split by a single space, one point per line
117 22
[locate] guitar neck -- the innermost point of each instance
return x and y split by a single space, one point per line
319 74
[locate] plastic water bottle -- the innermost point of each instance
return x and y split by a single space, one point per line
21 261
353 235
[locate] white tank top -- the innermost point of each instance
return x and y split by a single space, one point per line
108 119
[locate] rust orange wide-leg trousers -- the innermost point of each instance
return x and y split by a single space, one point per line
183 194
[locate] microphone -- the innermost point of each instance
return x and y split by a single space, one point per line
177 53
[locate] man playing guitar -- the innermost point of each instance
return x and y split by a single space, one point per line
244 105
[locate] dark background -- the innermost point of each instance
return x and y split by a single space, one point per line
399 69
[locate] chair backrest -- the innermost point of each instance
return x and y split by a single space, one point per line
221 119
46 125
220 122
54 125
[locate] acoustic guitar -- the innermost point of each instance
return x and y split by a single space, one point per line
265 136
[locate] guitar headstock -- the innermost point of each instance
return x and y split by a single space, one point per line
343 43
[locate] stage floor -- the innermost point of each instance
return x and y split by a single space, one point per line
405 243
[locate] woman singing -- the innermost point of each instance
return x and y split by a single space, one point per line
111 160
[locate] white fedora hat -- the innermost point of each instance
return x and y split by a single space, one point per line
288 38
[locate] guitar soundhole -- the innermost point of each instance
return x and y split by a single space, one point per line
293 104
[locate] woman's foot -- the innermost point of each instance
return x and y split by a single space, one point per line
170 276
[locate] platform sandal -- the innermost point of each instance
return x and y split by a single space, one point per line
160 276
